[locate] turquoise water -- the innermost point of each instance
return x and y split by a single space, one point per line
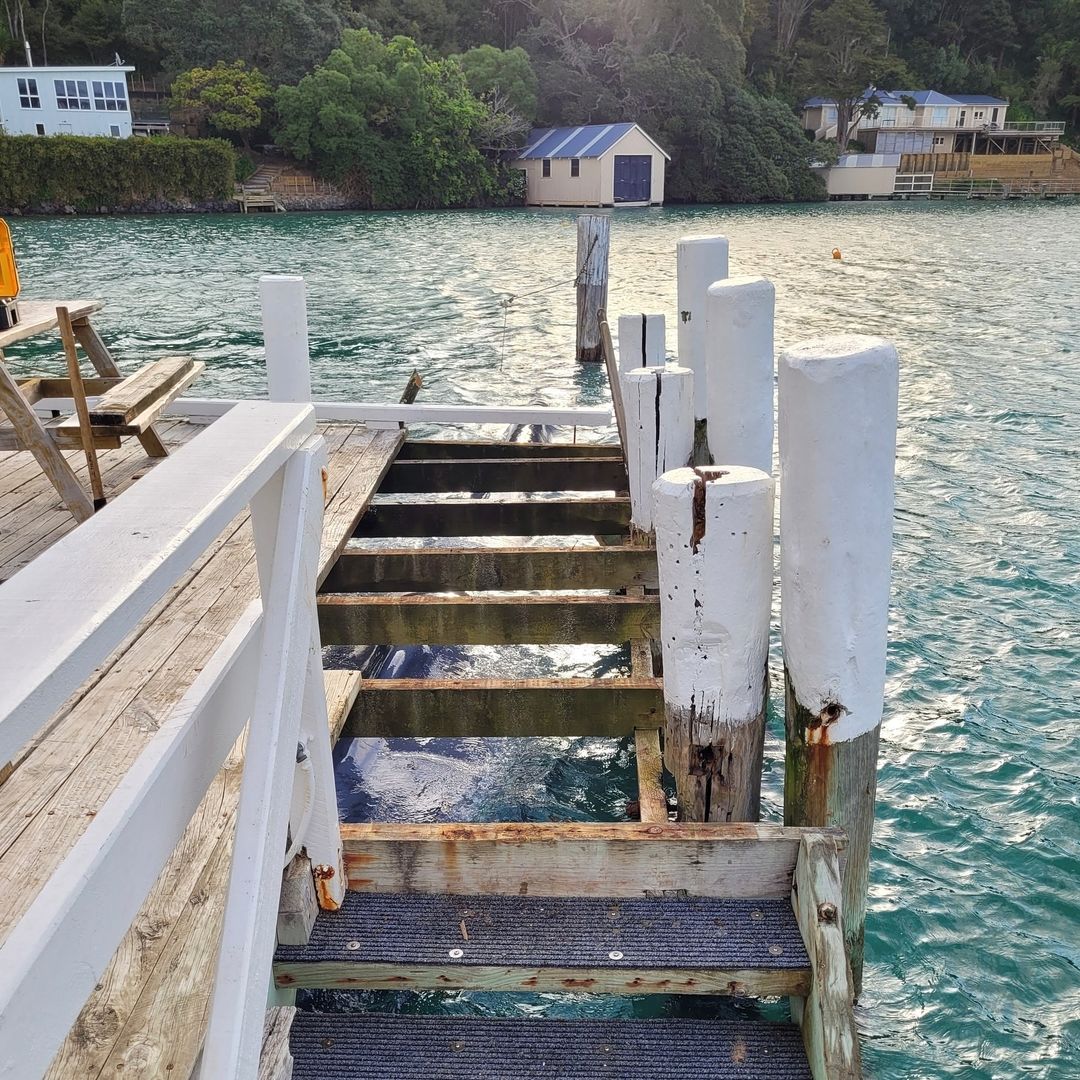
973 937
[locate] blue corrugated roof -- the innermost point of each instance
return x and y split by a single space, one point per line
921 97
587 141
978 99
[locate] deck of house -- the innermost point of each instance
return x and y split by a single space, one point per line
147 1015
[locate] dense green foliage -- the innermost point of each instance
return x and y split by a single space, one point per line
88 173
715 81
395 128
227 98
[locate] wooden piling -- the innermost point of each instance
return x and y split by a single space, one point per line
740 368
593 235
714 542
838 414
659 406
642 341
699 261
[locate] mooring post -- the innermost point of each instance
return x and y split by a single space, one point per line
740 367
714 547
285 333
699 261
641 341
593 235
838 416
659 408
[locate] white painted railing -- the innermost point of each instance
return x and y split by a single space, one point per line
65 613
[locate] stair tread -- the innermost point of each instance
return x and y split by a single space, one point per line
386 1047
576 932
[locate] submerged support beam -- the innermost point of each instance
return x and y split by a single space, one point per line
365 569
433 449
493 708
593 237
740 364
699 261
516 474
836 512
714 533
442 619
659 404
595 516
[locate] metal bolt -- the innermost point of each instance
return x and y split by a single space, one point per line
352 946
776 950
757 915
615 955
456 954
827 912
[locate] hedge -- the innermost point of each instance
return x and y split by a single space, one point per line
89 172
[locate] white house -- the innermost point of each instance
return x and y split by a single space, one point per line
593 165
65 101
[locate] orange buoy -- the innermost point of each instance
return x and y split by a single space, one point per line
836 253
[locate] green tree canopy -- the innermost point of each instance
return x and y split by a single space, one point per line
394 127
227 98
502 75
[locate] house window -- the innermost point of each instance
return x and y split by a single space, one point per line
830 115
979 114
939 140
993 116
962 119
114 130
940 117
545 169
888 116
575 166
39 129
28 94
71 94
110 97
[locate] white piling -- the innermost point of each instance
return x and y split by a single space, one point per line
838 416
659 407
285 334
699 261
641 341
740 366
714 547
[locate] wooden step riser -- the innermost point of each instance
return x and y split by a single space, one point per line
492 474
429 449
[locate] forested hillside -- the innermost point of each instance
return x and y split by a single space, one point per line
424 122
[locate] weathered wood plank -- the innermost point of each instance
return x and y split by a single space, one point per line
826 1014
442 619
121 403
428 449
341 690
276 1061
652 801
474 569
600 515
572 859
492 708
516 474
298 905
739 982
38 316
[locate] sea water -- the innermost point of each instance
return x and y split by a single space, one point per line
973 932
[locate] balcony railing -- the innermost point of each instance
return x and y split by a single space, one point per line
1043 127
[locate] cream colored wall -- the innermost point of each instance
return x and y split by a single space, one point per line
560 188
878 180
633 142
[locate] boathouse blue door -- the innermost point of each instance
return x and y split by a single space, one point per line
633 178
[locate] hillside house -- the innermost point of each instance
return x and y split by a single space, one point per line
65 101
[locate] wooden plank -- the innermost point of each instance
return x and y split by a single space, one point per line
120 404
572 859
611 366
826 1014
492 708
33 437
599 515
443 619
50 387
739 982
515 474
428 449
341 690
82 409
276 1061
363 569
652 801
298 905
39 316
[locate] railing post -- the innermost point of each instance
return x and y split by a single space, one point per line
699 261
714 546
285 334
641 341
593 236
659 406
838 416
740 365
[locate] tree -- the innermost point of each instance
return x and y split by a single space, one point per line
395 128
502 73
227 98
845 56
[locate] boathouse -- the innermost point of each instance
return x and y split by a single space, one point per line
593 165
65 101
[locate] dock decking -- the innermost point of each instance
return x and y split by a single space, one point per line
148 1015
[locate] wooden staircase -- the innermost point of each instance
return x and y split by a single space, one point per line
633 908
